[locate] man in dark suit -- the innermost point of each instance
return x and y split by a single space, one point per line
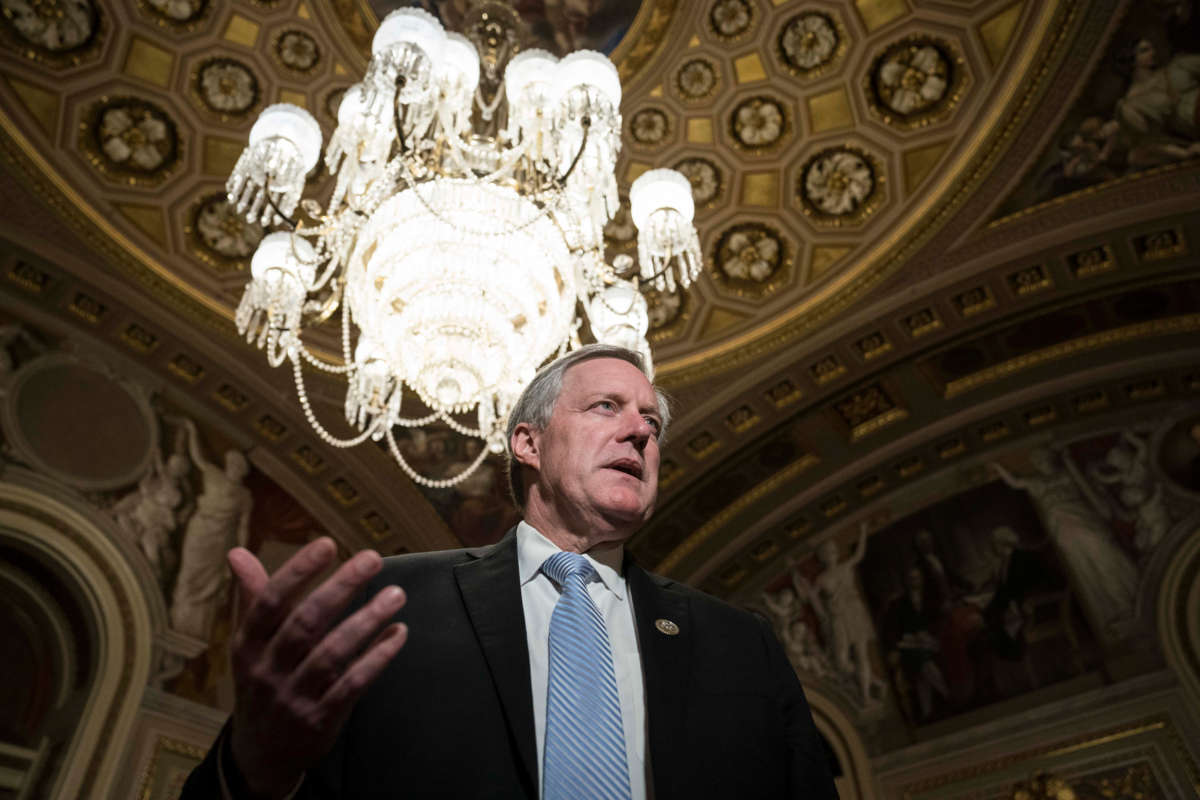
705 703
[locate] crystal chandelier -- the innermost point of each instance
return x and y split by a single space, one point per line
463 238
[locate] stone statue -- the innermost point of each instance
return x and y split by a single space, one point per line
1105 578
1127 467
149 513
838 602
221 521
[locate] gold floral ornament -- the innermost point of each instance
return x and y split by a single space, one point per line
131 139
731 18
224 232
226 86
1043 786
650 126
749 252
696 79
56 26
809 42
704 177
178 10
297 51
759 122
915 81
839 185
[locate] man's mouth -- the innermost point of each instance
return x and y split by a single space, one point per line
629 466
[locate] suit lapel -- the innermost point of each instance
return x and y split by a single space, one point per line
665 665
490 587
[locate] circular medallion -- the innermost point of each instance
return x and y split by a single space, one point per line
57 26
226 86
758 122
912 77
809 42
134 138
297 51
178 10
78 423
224 232
730 19
839 184
696 80
650 127
705 178
749 252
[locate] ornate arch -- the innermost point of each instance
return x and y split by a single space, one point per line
67 537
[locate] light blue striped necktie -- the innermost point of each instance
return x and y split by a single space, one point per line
585 741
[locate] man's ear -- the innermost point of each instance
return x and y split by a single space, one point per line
524 444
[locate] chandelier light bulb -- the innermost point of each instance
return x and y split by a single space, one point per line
292 124
410 26
591 69
459 65
659 189
287 256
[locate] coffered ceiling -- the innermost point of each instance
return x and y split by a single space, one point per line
888 294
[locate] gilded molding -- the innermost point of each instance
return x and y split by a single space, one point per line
1141 330
705 532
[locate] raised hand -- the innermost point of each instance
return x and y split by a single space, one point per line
297 676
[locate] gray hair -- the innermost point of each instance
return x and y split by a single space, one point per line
536 403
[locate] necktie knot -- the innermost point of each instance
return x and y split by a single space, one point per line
564 565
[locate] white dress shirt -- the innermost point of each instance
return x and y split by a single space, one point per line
539 594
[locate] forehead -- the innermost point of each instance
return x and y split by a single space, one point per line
607 376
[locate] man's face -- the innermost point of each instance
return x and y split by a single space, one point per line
597 459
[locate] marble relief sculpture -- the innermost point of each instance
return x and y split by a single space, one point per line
846 627
221 521
150 512
1141 498
1105 578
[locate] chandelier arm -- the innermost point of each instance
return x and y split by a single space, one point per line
291 223
400 81
586 122
328 437
432 483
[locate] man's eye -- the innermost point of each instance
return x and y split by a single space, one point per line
654 423
606 404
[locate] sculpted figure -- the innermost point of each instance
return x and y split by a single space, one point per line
221 521
1104 576
148 513
844 616
1127 467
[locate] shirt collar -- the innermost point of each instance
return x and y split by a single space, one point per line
533 549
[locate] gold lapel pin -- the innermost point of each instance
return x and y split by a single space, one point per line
666 626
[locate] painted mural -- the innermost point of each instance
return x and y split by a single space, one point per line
478 510
1031 576
1140 110
556 25
972 604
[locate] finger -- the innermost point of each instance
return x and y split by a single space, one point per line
321 667
343 694
249 573
278 595
309 620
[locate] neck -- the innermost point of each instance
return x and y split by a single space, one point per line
576 535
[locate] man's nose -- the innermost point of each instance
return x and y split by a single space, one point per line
638 430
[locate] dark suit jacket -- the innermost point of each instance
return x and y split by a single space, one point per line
452 715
